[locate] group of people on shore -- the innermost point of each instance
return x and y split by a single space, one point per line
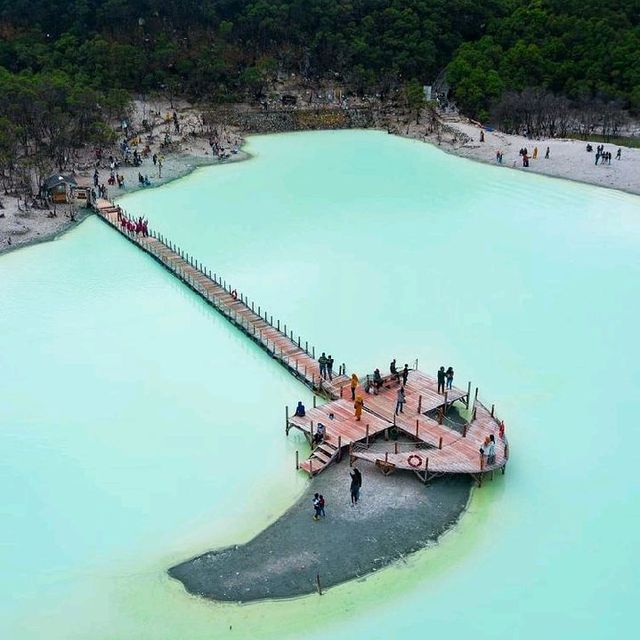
319 503
602 156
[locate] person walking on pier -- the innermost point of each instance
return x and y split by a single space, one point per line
449 376
405 375
441 377
358 406
354 385
400 400
330 367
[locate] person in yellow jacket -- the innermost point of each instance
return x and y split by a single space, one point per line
535 153
358 405
354 385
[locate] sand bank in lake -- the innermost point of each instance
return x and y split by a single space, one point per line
396 516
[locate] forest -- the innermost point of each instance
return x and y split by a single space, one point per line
67 66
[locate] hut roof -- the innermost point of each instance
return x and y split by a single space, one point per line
56 180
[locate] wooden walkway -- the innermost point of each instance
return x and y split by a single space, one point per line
431 447
273 336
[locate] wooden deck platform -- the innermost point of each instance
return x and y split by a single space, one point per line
433 448
275 337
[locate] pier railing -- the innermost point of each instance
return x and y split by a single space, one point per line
273 335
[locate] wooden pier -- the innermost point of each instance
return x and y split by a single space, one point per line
431 446
274 336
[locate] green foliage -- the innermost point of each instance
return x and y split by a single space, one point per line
581 49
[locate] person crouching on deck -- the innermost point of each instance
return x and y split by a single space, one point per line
300 411
318 436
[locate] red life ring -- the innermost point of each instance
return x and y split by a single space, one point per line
234 294
414 460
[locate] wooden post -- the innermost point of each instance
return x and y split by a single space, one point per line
426 467
285 329
297 461
313 385
444 409
464 431
318 584
313 355
367 436
417 425
252 309
341 390
278 325
468 393
314 400
506 451
305 371
476 396
396 446
311 467
419 404
312 431
440 443
339 448
493 408
271 320
386 456
306 347
298 342
259 312
286 419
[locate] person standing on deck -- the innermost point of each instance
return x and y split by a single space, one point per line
405 375
546 153
322 361
441 377
400 400
358 405
449 376
354 385
330 367
491 450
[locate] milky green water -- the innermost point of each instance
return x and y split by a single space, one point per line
137 428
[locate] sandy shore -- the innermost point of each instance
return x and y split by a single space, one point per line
395 516
568 158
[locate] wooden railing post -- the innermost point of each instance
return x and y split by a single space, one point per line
420 403
297 461
440 443
417 425
286 419
339 448
367 436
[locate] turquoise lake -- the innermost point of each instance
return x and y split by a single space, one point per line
138 428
